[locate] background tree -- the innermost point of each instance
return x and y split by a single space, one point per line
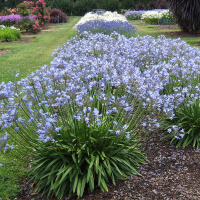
187 13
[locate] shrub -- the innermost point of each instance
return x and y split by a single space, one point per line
9 34
83 6
152 5
25 7
42 12
111 5
158 17
140 6
162 4
29 24
57 16
10 20
65 5
130 4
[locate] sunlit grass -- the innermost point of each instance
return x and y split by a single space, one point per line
25 58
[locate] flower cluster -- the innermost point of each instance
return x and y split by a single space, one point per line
142 65
9 20
106 16
133 14
107 27
153 16
41 11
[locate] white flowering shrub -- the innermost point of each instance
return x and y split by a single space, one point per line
158 17
106 16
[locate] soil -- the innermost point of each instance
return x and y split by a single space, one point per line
2 52
171 173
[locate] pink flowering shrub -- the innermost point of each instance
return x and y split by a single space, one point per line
38 10
42 12
24 8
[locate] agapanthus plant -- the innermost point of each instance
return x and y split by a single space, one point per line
83 117
134 14
107 27
80 126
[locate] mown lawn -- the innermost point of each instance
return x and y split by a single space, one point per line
25 58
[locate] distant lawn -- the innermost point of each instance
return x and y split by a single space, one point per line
25 58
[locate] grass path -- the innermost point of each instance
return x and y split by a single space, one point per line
25 58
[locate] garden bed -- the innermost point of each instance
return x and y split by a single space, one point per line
172 173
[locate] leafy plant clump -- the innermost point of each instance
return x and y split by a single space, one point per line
84 126
9 34
183 129
57 16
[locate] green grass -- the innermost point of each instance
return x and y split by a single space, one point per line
25 58
147 29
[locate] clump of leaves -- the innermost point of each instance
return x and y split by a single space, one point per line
9 34
184 128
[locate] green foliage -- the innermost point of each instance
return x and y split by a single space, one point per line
23 9
65 5
9 34
187 119
75 167
83 6
167 19
111 5
130 4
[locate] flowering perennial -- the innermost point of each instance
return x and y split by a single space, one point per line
107 16
153 16
142 65
107 27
